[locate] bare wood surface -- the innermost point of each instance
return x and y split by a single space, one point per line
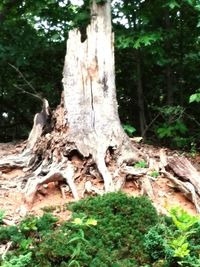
183 168
185 178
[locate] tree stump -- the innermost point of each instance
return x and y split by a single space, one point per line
90 94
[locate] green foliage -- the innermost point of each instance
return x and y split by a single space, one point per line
154 174
147 39
101 2
2 214
104 231
114 212
141 164
173 242
167 59
172 4
173 127
130 130
180 246
182 219
19 261
195 97
28 225
109 230
171 130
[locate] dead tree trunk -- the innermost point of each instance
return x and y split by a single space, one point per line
87 122
90 94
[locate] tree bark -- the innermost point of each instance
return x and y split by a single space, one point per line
140 93
86 123
90 94
169 74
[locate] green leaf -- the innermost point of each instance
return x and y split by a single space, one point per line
2 215
128 129
76 251
19 261
91 222
195 97
172 4
165 132
182 250
182 219
180 127
74 263
147 39
77 221
141 164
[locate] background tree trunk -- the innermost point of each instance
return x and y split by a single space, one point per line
140 93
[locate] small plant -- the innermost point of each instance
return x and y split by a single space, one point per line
49 208
107 230
87 222
170 241
173 129
130 130
166 130
182 219
154 174
18 261
195 97
193 149
2 215
29 224
141 164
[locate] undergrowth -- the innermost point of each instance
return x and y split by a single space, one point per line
111 230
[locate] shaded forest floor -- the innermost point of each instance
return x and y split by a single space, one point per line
50 195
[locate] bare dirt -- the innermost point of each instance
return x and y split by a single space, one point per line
165 193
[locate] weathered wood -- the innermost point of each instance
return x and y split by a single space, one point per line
25 159
90 94
146 187
54 175
40 121
183 168
187 180
138 172
186 188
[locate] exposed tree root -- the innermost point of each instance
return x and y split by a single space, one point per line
53 159
62 172
4 249
186 178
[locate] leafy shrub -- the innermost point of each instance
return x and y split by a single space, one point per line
21 261
122 223
175 243
154 174
172 128
105 231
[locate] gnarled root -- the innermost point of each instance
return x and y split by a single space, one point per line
55 174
